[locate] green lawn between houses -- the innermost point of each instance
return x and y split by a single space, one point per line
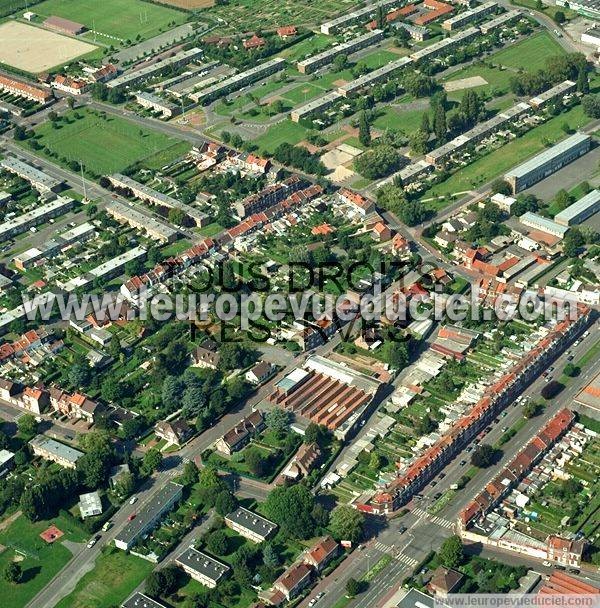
123 19
39 560
105 145
112 580
285 131
530 54
510 155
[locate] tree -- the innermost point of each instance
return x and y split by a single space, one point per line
572 242
271 557
484 456
172 390
151 461
375 461
451 552
347 523
190 474
440 127
193 401
395 354
364 130
27 425
225 502
532 409
13 572
217 543
291 508
583 84
79 375
500 186
418 141
176 216
125 485
234 356
352 587
377 162
425 126
114 348
278 420
559 17
315 433
591 105
255 462
340 63
19 133
572 370
562 199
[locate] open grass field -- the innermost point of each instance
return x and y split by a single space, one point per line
510 155
530 54
113 578
397 120
497 80
283 132
190 5
105 145
308 46
124 19
547 9
35 50
378 58
39 560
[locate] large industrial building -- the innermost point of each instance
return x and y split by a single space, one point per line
548 162
310 65
538 222
579 211
327 393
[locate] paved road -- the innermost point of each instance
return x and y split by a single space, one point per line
426 532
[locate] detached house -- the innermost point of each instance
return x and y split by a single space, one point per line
293 581
260 373
322 553
207 355
237 437
175 432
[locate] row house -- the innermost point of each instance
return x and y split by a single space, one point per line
73 405
359 203
24 89
269 196
517 468
419 472
74 86
238 436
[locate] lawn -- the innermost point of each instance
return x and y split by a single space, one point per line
308 46
125 19
378 59
497 79
531 54
283 132
302 93
394 118
113 578
39 560
510 155
547 10
104 145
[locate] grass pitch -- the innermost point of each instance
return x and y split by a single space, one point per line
104 145
124 19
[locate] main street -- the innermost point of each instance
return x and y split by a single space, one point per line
426 532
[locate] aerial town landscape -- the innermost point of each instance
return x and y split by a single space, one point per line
299 303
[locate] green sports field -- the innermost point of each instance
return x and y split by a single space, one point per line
104 145
123 19
531 54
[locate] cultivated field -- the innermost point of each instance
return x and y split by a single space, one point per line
103 145
124 19
33 49
247 15
189 4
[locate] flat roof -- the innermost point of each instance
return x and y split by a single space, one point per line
60 450
547 155
203 564
255 523
29 172
58 204
5 456
344 47
149 222
589 200
149 513
139 600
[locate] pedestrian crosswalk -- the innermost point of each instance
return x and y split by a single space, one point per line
439 521
404 559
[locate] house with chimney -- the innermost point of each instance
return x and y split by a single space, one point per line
207 355
306 459
174 432
239 436
321 554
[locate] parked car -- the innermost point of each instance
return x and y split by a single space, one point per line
133 500
463 463
92 542
131 517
